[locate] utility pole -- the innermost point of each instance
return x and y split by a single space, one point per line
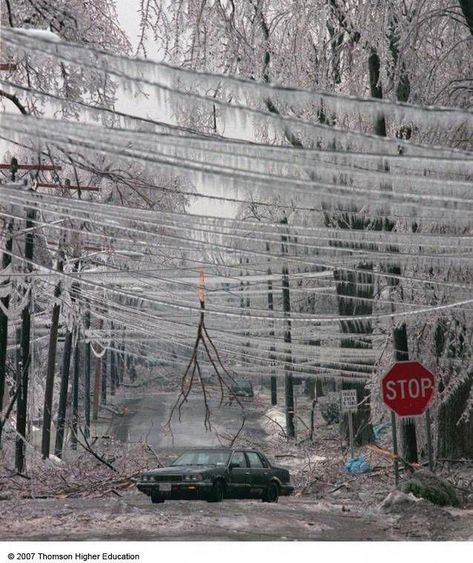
272 349
87 375
23 372
288 378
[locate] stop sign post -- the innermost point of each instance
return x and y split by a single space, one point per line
407 389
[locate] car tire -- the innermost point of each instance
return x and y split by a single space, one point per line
217 492
156 499
271 493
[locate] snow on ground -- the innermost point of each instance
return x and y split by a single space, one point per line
83 499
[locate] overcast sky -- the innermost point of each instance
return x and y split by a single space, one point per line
129 19
128 14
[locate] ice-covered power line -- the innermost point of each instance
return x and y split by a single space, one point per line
447 195
190 242
406 267
166 78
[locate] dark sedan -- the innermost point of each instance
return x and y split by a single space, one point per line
215 474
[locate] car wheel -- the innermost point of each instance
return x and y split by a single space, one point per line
272 493
156 499
217 493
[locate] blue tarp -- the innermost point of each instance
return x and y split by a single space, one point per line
357 465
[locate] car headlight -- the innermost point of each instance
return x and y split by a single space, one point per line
144 478
195 477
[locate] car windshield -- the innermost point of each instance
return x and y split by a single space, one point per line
242 386
202 458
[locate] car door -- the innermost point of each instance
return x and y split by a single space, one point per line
259 474
239 482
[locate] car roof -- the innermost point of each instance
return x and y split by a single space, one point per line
221 450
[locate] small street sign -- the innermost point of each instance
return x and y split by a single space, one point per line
408 388
349 404
349 400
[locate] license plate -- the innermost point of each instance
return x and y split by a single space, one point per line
164 486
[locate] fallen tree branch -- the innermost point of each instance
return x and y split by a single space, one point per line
89 449
277 424
238 433
8 411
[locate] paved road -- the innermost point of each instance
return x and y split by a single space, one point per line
134 517
147 417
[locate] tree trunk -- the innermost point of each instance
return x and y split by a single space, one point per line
62 409
288 378
97 388
97 381
5 303
113 372
408 426
401 353
104 379
274 381
75 393
455 435
49 388
455 431
355 291
376 90
467 10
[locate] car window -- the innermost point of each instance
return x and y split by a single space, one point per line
254 459
239 459
202 458
263 460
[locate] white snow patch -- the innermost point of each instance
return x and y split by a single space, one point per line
277 415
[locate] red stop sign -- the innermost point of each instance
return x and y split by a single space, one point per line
408 388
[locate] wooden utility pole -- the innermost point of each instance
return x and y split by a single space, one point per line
87 376
288 378
27 168
24 368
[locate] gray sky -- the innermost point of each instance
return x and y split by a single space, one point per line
127 11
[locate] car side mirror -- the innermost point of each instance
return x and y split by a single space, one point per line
234 466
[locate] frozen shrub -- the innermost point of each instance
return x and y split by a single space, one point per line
425 484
